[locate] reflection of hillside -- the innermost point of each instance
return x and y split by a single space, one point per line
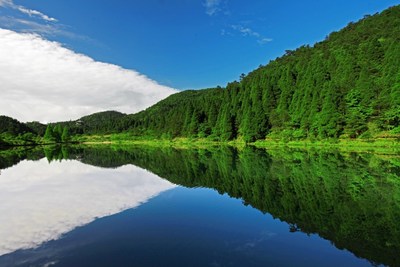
9 158
351 199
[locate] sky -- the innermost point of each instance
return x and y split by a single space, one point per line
63 59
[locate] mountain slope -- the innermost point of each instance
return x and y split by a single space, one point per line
345 86
12 126
100 122
97 123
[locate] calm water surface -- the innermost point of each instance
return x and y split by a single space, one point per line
81 206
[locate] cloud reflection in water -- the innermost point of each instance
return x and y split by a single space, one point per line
41 201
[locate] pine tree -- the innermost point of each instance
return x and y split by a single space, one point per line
57 132
65 137
49 134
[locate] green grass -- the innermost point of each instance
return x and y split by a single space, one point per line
385 146
378 145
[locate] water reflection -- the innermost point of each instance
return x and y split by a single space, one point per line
41 201
351 199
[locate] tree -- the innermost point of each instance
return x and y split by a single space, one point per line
357 114
65 137
49 134
57 132
2 143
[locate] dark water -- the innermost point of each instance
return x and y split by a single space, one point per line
131 206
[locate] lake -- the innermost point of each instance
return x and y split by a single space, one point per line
219 206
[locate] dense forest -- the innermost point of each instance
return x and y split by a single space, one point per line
347 86
13 131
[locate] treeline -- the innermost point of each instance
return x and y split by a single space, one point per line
13 132
345 86
186 114
57 134
105 122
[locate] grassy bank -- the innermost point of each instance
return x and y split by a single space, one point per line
378 145
389 145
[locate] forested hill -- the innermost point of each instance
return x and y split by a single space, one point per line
12 126
347 85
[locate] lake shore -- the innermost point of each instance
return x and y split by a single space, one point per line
379 146
385 146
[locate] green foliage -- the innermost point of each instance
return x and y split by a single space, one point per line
101 122
57 134
37 127
396 130
3 143
12 126
15 133
65 136
340 87
49 135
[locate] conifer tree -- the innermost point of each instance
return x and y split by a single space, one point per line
65 137
49 134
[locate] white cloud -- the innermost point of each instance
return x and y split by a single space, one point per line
27 11
245 31
212 6
32 12
43 29
41 202
5 3
41 80
264 40
23 25
22 19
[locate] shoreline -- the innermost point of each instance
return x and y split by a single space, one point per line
380 146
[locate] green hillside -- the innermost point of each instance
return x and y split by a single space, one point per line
100 122
189 113
345 86
12 126
13 132
97 123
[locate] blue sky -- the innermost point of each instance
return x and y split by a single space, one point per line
196 44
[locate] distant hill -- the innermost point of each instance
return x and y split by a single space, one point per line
12 126
97 123
181 114
13 132
37 127
101 122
